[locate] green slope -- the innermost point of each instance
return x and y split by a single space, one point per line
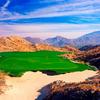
15 63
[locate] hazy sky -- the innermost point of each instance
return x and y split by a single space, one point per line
45 18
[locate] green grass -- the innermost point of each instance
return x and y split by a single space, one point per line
16 63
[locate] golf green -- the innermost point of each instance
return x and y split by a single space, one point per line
16 63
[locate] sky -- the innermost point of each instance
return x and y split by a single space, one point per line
49 18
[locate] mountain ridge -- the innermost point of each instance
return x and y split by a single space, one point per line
16 43
92 39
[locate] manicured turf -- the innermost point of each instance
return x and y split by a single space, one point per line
15 63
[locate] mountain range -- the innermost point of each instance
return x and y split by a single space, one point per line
17 43
92 39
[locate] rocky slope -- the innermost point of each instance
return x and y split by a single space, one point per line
92 56
72 48
15 43
88 90
48 47
88 47
73 54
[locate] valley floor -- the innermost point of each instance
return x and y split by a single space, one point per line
32 84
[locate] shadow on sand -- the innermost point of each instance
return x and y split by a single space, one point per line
44 92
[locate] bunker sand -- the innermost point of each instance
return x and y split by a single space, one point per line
27 87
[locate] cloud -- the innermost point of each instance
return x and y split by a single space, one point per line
4 12
48 30
84 10
67 9
61 9
51 1
6 4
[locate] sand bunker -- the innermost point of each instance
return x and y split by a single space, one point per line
28 86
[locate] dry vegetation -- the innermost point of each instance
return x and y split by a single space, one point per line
88 90
2 82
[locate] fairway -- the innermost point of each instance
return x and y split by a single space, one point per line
16 63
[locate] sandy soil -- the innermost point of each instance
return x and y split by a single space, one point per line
29 85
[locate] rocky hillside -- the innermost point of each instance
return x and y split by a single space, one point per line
88 47
92 56
88 90
72 48
54 48
15 43
47 47
73 54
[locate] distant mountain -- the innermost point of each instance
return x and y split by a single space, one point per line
88 39
34 40
92 39
15 43
59 41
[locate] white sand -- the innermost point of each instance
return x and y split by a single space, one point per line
27 87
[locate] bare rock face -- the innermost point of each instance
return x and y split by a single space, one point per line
15 43
88 90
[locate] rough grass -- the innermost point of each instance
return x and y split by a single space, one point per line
16 63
